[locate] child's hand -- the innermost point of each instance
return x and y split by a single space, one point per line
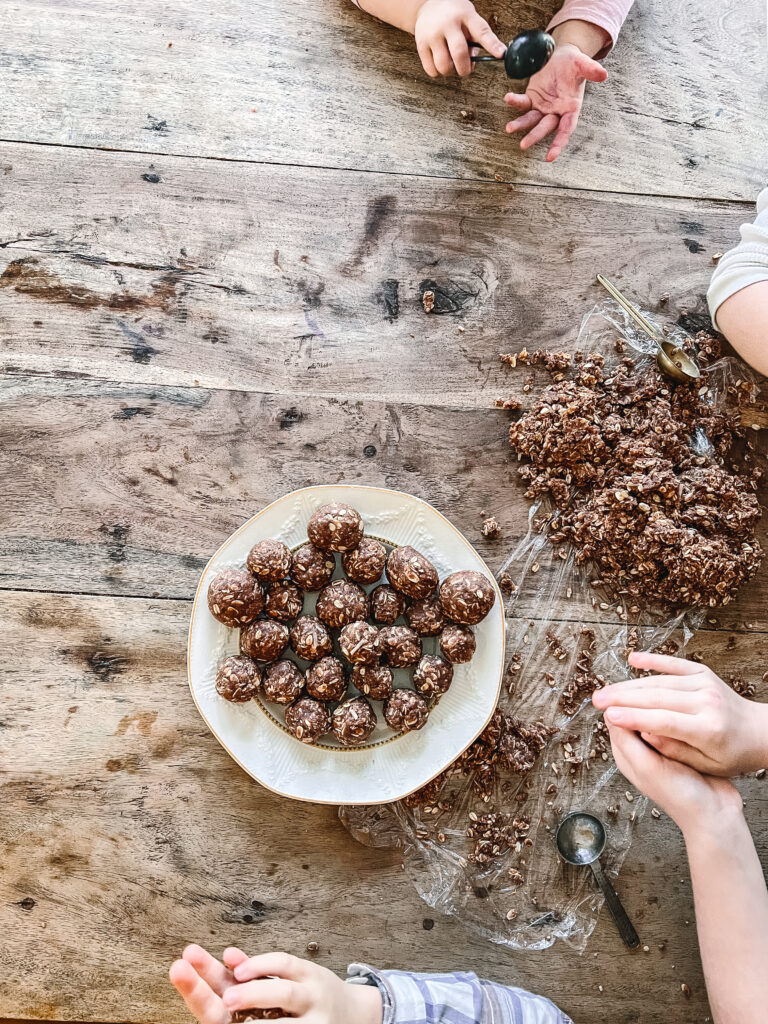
304 991
442 30
552 101
694 801
689 714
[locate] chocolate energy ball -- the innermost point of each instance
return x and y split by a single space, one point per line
310 639
406 711
243 1016
457 644
325 680
426 617
282 682
467 596
387 604
411 573
308 720
359 643
400 646
270 560
238 679
353 722
264 640
375 681
284 601
311 568
432 675
365 564
235 597
342 602
335 527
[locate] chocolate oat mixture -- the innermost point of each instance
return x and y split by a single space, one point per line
652 485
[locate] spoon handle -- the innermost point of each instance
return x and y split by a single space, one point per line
619 914
483 57
633 311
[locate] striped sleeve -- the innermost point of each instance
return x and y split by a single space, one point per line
455 998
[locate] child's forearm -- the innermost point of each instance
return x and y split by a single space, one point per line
602 16
590 39
731 917
400 13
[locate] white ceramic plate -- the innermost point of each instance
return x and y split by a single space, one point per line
391 766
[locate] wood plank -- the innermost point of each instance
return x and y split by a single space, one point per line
287 83
126 831
305 282
127 489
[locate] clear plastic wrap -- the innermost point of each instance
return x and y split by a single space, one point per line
559 628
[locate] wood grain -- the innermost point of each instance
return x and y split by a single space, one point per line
277 81
126 489
127 831
303 282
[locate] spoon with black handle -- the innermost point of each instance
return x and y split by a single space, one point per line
525 55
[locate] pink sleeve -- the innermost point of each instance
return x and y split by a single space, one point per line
608 14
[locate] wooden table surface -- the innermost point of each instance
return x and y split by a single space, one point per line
216 225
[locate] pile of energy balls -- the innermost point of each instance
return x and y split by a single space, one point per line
344 654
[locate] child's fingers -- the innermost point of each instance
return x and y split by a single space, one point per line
208 967
266 994
202 1001
686 701
547 124
564 130
522 124
625 691
520 100
634 757
481 32
663 663
278 965
663 723
427 63
684 752
590 69
457 44
233 956
442 57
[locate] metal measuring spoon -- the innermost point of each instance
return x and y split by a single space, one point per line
580 840
670 358
525 55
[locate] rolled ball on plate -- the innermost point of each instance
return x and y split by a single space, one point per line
308 720
264 640
310 638
342 602
335 527
457 644
235 597
312 568
425 617
374 681
285 601
411 573
387 604
282 682
353 722
432 676
325 680
238 679
365 564
399 646
406 711
269 560
359 643
467 596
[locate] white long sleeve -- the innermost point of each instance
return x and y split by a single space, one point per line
745 264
